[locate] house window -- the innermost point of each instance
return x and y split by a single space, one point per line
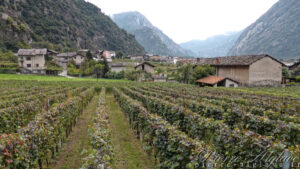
22 58
37 65
28 65
143 67
231 85
28 58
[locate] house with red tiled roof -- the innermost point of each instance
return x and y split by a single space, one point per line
216 81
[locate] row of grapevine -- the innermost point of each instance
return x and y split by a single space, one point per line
229 143
172 148
102 153
30 96
259 111
14 117
34 144
226 102
284 105
236 117
17 93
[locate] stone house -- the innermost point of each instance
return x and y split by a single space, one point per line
146 66
215 81
117 67
294 69
79 58
250 70
32 60
63 59
137 58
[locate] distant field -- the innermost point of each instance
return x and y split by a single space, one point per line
51 78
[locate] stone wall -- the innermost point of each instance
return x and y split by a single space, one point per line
265 72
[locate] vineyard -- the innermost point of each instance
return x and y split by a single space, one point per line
170 125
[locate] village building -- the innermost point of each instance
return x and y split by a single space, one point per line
109 55
294 68
155 58
99 54
52 53
83 52
252 70
146 66
139 58
117 67
32 60
63 59
215 81
79 59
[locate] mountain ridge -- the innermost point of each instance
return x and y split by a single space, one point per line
214 46
276 32
150 37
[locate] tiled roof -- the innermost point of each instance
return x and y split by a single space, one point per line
69 54
233 60
212 80
117 64
145 63
32 52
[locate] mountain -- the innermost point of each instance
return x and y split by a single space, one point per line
151 38
212 47
61 25
276 33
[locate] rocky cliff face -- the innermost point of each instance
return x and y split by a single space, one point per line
151 38
212 47
62 25
276 33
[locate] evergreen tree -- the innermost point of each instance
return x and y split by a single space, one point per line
106 67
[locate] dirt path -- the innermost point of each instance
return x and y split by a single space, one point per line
129 153
70 156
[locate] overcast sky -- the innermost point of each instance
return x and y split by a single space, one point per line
184 20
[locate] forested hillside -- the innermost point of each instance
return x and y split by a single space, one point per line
61 25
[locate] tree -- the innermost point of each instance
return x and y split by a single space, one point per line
120 55
9 57
185 74
89 55
202 71
285 73
48 57
98 70
179 64
159 70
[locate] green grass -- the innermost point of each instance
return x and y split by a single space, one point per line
52 78
129 153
